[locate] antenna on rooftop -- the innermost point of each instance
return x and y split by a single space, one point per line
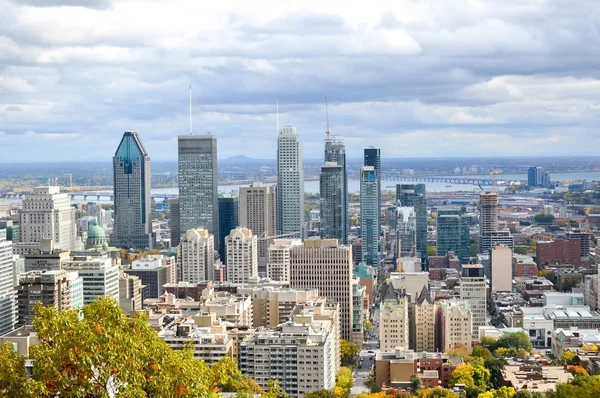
190 109
277 116
327 117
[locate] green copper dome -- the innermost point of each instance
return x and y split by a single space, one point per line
96 232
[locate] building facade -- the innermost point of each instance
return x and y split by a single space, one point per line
501 269
333 214
174 222
242 255
414 195
290 183
154 272
130 293
196 256
278 263
8 308
49 288
393 320
406 232
422 322
455 325
259 214
132 201
198 184
228 219
473 290
372 158
453 234
335 151
100 277
369 215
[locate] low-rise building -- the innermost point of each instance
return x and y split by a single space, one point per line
130 293
154 271
235 309
564 339
100 276
49 288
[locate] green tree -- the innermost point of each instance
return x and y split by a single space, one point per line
487 342
473 249
481 352
438 392
529 394
14 381
521 249
459 351
515 341
543 218
343 383
348 353
367 325
502 392
569 358
495 366
319 394
227 377
274 390
415 383
431 250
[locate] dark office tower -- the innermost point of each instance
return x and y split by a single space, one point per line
332 194
131 175
413 195
538 178
174 222
228 219
373 158
335 151
369 215
198 203
453 234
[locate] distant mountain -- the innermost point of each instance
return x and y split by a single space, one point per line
241 160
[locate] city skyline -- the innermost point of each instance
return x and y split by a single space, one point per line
77 76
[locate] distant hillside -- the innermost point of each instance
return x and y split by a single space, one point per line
241 160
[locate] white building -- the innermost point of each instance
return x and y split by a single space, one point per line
406 231
257 212
501 269
358 299
472 289
393 320
278 263
196 256
154 271
46 214
235 309
242 255
290 183
8 308
100 276
325 265
301 356
456 324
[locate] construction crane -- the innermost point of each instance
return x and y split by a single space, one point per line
327 117
494 182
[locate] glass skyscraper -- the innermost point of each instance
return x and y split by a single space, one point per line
453 234
228 219
290 183
335 151
198 195
369 215
372 157
131 173
413 195
333 222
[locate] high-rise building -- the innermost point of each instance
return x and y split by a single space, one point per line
196 255
46 214
393 320
472 289
406 232
584 237
198 194
8 308
242 255
358 317
422 322
369 215
132 186
372 157
49 288
174 222
453 233
501 269
325 265
455 325
154 271
414 195
100 276
333 214
228 219
335 151
538 178
290 183
259 214
488 213
130 293
278 263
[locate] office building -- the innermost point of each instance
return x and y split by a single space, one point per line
290 183
228 219
502 237
584 237
46 214
455 325
369 215
488 213
325 265
393 320
473 290
501 269
559 251
335 152
453 234
174 222
242 255
372 157
76 287
154 271
8 308
198 194
422 322
196 256
130 293
278 264
406 232
49 288
132 200
300 355
258 213
333 215
100 276
414 195
358 316
538 178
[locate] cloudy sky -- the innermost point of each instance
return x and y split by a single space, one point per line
417 78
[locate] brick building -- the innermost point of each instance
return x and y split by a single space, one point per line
559 251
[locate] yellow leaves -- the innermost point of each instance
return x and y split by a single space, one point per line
99 329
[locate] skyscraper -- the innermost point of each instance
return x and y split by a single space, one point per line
228 219
198 192
8 309
242 259
472 289
369 215
414 195
333 197
257 212
290 183
373 158
453 234
132 176
538 178
406 232
488 213
335 151
174 222
196 252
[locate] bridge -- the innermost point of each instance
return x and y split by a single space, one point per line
85 195
448 180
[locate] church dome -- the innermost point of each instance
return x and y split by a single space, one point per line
96 232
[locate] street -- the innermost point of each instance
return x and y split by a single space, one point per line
366 359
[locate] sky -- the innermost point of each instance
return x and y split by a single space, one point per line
422 78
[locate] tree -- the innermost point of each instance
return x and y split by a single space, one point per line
495 366
320 394
462 374
542 273
227 377
502 392
529 394
460 351
438 392
515 341
367 325
543 218
343 383
521 249
369 395
487 342
481 352
348 352
14 381
473 249
107 353
274 390
431 250
577 370
415 383
569 358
